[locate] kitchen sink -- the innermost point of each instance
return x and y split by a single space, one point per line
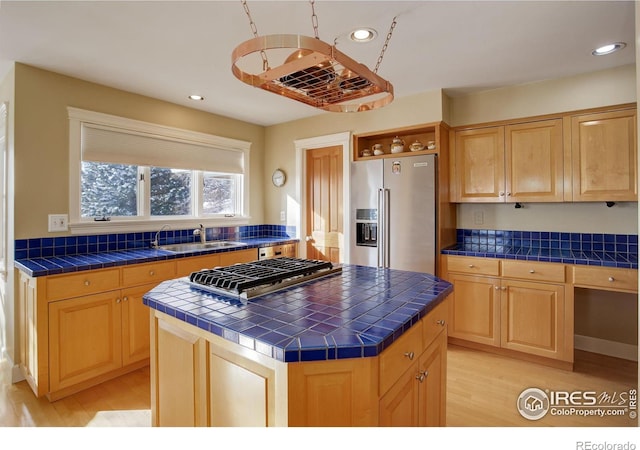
193 247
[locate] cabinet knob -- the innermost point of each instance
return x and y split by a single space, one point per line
87 282
508 194
422 375
612 279
504 288
471 266
501 194
409 355
152 273
440 322
118 300
125 299
532 271
496 288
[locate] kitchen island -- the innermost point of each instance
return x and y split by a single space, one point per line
361 347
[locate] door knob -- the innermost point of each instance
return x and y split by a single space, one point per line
308 238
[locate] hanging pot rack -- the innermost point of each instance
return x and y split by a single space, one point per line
315 73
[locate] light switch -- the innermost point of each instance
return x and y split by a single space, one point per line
283 216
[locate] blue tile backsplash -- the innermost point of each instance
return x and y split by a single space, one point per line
614 250
48 247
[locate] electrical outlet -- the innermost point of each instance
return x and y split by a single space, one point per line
283 216
478 218
58 222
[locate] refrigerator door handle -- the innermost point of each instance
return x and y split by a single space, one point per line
386 232
381 222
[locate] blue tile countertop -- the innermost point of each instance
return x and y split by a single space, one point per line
42 266
353 314
611 250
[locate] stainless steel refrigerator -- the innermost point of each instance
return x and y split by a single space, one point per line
393 211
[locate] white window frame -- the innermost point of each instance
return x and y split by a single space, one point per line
78 225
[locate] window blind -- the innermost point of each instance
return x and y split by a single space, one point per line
112 145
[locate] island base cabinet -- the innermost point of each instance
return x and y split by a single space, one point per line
418 398
199 379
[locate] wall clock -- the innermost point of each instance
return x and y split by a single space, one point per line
278 178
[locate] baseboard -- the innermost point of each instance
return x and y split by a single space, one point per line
605 347
16 373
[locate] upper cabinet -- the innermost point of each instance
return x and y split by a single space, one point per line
509 163
579 157
604 156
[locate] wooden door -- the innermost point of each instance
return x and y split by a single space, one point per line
433 387
135 325
84 338
533 318
534 162
475 309
604 156
479 165
324 178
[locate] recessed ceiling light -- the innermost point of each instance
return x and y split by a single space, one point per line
609 48
363 35
196 97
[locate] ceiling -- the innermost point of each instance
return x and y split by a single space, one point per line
171 49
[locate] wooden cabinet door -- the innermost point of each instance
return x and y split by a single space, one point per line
84 338
238 256
479 174
178 385
135 325
474 309
433 384
533 318
534 162
399 407
604 156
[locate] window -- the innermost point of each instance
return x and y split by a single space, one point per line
134 172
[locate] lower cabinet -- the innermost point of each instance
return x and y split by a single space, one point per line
526 316
200 379
79 329
95 335
417 397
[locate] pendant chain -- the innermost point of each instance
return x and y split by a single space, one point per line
314 18
254 30
386 44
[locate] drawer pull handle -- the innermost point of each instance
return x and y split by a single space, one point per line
409 355
152 273
471 266
87 282
532 271
440 322
612 279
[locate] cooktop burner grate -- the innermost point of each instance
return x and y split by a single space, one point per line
260 276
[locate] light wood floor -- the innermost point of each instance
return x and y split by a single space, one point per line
482 392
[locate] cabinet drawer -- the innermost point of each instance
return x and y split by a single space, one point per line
187 266
84 283
473 265
148 273
400 356
607 278
238 256
530 270
434 322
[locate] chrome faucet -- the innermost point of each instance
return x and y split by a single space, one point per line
156 243
200 231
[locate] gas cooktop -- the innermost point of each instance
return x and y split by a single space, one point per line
248 280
